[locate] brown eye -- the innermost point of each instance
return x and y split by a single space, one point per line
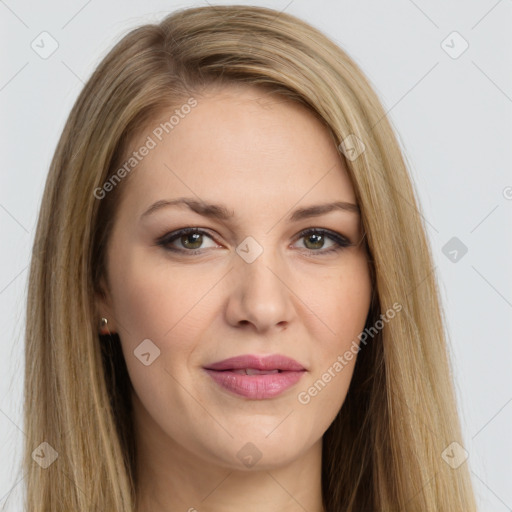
187 240
191 240
315 240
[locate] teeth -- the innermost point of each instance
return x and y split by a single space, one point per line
253 371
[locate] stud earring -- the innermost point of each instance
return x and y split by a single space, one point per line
103 326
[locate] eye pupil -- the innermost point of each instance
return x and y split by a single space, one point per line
198 239
316 245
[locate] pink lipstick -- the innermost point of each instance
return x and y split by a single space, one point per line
256 377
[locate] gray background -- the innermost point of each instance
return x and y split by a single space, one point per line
453 115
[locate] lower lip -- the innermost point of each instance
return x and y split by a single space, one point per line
256 387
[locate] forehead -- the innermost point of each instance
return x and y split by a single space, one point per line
238 143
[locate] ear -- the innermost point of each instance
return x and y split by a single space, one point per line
104 307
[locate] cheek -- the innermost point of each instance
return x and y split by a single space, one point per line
154 300
341 301
158 302
342 306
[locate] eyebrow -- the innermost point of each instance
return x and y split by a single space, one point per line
220 212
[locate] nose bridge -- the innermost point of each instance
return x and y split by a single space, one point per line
255 263
260 295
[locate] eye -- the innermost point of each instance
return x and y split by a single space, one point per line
315 238
191 241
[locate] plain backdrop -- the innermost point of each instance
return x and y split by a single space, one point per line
449 97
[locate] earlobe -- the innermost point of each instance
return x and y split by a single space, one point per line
104 329
104 314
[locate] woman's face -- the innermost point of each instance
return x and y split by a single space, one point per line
253 175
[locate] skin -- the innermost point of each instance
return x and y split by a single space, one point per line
262 157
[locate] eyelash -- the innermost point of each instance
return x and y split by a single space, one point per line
340 241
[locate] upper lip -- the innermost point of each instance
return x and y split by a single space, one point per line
269 362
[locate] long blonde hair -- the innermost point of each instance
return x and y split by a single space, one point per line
384 449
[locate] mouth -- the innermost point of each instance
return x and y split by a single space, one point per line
269 363
256 377
253 371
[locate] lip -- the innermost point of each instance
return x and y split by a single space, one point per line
229 375
270 362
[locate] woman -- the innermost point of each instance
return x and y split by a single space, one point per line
232 302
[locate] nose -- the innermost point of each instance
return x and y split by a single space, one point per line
260 298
